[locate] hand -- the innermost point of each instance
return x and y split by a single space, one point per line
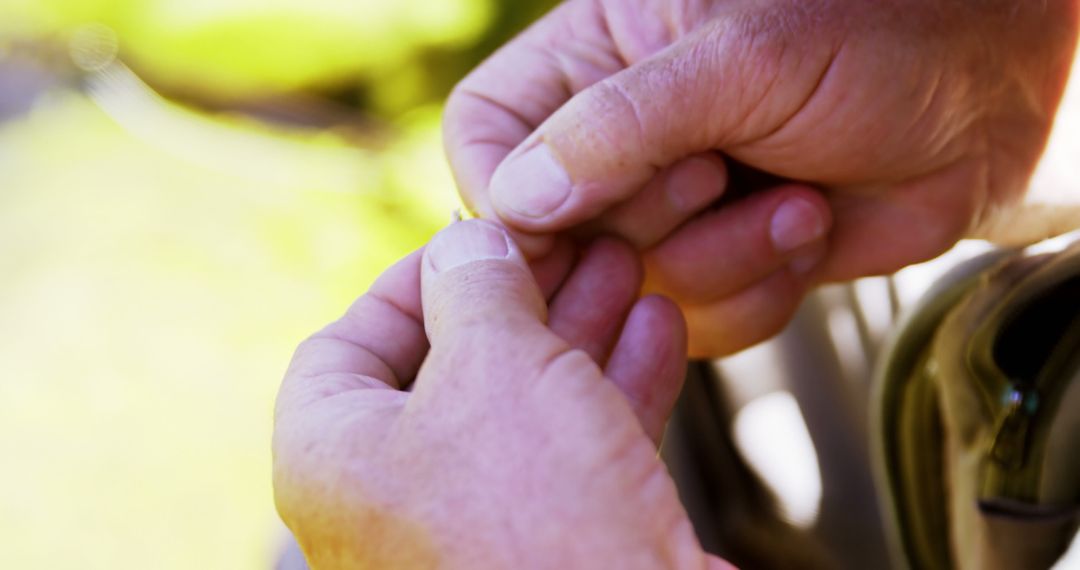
518 444
920 120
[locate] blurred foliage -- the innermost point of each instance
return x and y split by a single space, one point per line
242 45
383 56
163 255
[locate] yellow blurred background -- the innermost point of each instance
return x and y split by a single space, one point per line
187 189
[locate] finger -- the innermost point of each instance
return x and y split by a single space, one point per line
726 250
552 269
745 318
672 197
476 287
648 363
713 89
878 233
589 310
378 343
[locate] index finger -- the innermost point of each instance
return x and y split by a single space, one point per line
378 344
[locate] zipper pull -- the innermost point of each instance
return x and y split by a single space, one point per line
1010 443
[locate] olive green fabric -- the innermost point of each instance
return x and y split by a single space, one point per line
976 405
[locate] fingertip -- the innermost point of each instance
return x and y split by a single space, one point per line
801 217
664 314
649 361
534 191
723 251
473 275
468 241
401 284
552 269
695 182
533 246
672 197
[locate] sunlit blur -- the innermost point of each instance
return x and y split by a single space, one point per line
187 189
771 434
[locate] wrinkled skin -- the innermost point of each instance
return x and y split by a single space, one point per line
527 437
907 124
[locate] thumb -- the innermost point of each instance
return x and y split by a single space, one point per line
475 284
720 88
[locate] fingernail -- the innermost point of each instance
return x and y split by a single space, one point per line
533 184
465 242
795 224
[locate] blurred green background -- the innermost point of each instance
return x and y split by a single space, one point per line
187 189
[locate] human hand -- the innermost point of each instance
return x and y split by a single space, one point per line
920 120
527 439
